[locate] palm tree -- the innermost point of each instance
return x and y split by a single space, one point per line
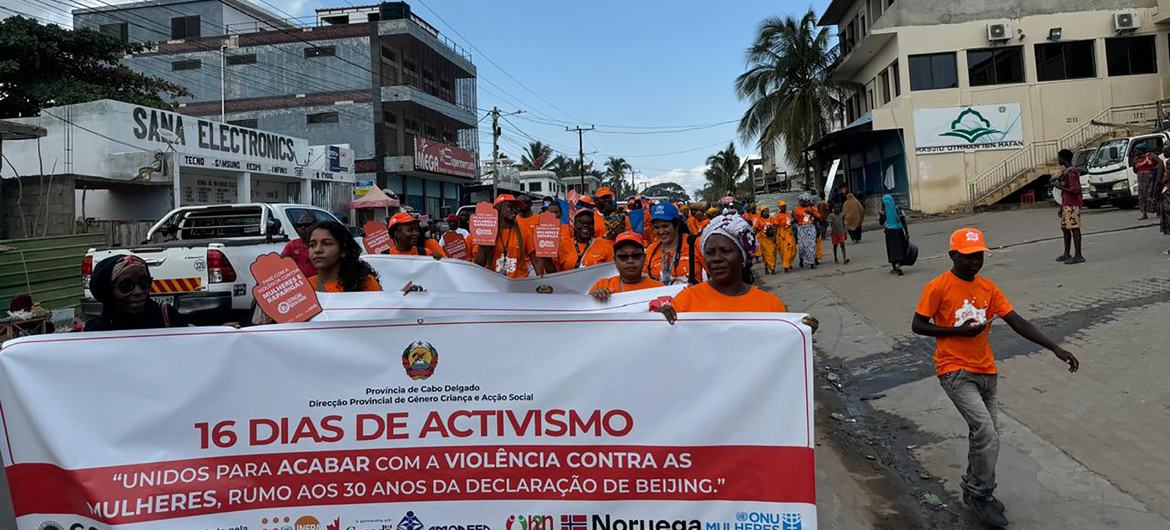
788 85
615 175
537 156
723 172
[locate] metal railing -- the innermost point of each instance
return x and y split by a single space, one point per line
1043 152
301 23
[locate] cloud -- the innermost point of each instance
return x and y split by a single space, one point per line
692 180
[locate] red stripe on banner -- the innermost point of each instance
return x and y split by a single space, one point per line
185 488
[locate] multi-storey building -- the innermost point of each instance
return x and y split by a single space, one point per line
960 100
377 78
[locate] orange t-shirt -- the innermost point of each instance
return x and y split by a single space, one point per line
762 225
949 301
571 252
528 224
616 285
693 224
682 269
335 287
430 247
703 298
511 254
783 220
805 215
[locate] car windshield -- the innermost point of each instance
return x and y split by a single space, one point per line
1081 158
1109 153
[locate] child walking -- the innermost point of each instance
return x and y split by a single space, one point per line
837 233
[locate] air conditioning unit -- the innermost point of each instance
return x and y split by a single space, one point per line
1000 31
1126 21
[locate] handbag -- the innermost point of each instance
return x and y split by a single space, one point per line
911 254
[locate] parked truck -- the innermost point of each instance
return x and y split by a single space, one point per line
1111 175
199 257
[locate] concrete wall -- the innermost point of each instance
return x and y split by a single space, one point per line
931 12
153 23
35 204
355 126
1049 109
138 203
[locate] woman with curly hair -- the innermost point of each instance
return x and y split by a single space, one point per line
334 253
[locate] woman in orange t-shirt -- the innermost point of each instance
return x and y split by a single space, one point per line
406 238
675 257
334 253
513 249
728 244
630 259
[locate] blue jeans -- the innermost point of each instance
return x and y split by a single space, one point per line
974 396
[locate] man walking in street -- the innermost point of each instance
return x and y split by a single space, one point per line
957 308
1071 200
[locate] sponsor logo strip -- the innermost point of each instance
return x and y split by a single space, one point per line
718 473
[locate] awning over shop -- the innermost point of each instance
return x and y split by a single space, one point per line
842 140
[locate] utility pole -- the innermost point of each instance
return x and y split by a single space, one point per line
580 151
495 151
223 83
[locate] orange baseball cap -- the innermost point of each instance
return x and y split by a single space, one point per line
968 241
632 237
586 200
400 218
603 191
504 197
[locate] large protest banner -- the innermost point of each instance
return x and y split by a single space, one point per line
458 276
387 305
619 422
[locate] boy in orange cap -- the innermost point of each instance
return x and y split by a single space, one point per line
406 238
957 308
630 258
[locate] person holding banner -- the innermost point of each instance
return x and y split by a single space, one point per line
512 252
727 244
785 236
335 253
585 249
524 216
630 259
406 236
673 257
122 284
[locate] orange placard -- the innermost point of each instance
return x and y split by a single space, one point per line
548 235
484 225
377 240
455 245
282 291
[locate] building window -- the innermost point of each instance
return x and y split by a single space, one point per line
1058 61
251 123
1131 55
118 31
995 66
192 64
233 60
322 117
868 99
884 79
536 186
185 27
897 79
388 53
389 117
933 71
320 51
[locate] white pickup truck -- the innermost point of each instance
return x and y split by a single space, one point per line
199 257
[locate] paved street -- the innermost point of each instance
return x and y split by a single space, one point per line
1077 451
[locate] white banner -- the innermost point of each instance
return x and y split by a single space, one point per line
610 422
973 128
459 276
390 305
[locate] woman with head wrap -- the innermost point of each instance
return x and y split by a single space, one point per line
897 237
765 227
122 285
785 236
728 244
806 230
853 212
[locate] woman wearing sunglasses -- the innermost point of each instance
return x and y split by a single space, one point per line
122 285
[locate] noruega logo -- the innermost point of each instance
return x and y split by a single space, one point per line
604 522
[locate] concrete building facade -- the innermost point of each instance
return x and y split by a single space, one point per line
377 78
955 96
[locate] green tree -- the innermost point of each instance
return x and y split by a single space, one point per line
46 65
672 191
723 172
614 176
788 85
537 156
